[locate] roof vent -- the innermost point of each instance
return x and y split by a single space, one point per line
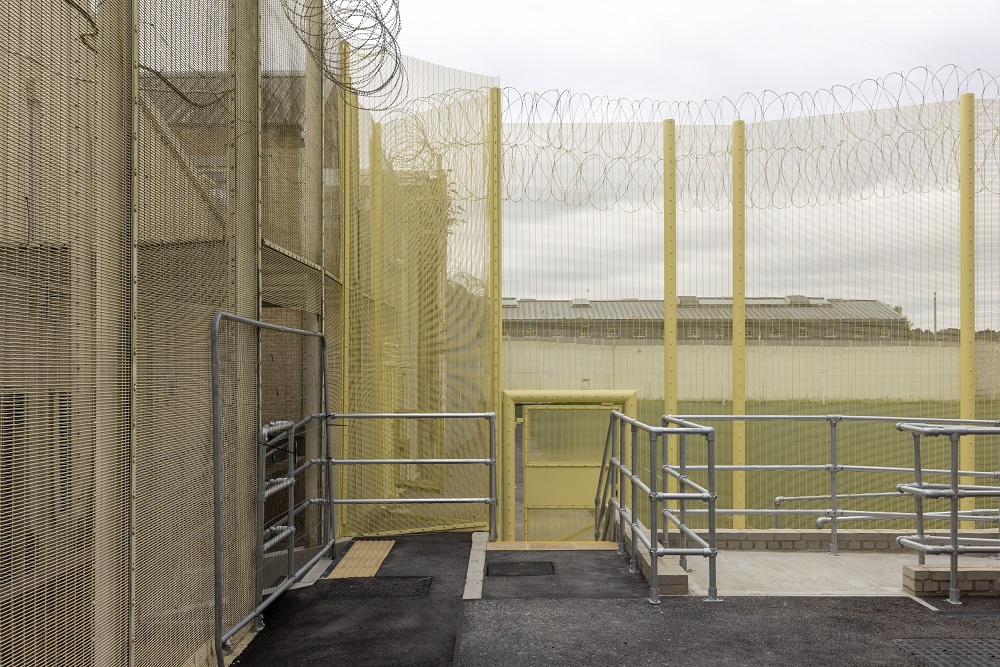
581 303
509 302
687 301
798 300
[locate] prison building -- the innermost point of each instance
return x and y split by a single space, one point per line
781 320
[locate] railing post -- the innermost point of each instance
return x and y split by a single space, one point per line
918 500
633 565
654 542
290 514
261 481
493 476
682 456
713 590
953 589
833 485
621 487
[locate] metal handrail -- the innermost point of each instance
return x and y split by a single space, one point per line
611 494
953 545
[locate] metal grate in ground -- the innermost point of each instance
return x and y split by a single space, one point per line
954 652
538 568
377 587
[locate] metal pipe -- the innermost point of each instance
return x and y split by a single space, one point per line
690 419
953 592
684 479
621 483
407 501
286 531
705 497
492 419
261 518
918 500
414 415
279 483
605 471
376 462
713 592
226 638
290 505
654 582
682 487
833 484
633 561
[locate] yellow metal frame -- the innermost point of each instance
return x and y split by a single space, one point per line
495 210
506 470
967 286
739 321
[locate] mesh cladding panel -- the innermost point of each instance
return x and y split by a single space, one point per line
851 203
187 258
63 347
418 338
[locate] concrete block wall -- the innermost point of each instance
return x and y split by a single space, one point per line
811 540
978 578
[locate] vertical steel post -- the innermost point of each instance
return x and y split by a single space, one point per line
654 523
620 487
633 565
383 447
918 500
135 181
682 454
261 504
713 590
833 485
967 284
664 479
739 321
953 588
290 506
507 470
670 352
492 419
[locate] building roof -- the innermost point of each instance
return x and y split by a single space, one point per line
790 308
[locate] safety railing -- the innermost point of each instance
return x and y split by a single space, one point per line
953 545
833 515
491 462
616 476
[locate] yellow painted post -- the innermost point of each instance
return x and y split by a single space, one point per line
506 471
739 319
967 286
346 217
670 390
495 211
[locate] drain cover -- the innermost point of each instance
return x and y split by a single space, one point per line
377 587
954 652
535 568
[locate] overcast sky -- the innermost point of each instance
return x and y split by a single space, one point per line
701 49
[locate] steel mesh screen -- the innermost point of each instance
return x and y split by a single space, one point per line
64 445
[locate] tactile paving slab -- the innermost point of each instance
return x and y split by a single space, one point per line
363 559
954 652
378 587
520 569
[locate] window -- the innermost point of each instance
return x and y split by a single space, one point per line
775 331
803 331
612 332
884 332
751 332
692 331
830 332
720 333
530 331
639 331
584 331
859 331
557 330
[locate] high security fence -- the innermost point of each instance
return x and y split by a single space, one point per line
768 254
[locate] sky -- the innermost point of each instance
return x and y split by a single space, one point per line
698 50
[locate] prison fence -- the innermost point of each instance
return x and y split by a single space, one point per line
163 162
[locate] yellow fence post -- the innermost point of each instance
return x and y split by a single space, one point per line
739 320
346 217
495 211
383 446
670 390
967 286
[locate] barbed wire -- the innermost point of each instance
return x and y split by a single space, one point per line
893 135
373 68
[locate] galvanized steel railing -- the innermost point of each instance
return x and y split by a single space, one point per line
953 545
833 515
616 476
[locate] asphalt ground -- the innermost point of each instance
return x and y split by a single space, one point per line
591 611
